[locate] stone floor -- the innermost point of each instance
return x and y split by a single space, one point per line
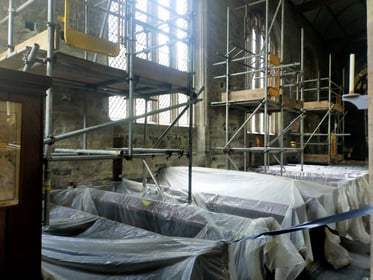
358 269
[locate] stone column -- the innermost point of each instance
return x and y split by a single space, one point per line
201 109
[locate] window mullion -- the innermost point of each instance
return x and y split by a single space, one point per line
154 34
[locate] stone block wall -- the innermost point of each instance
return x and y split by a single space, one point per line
216 38
68 115
210 129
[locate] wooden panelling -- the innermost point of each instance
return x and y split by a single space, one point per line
21 224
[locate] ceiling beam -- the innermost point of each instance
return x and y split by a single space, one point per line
313 4
337 22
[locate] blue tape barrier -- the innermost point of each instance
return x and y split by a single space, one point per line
316 223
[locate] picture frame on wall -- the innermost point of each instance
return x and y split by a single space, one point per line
10 152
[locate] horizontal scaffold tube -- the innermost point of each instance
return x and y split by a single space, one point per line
53 139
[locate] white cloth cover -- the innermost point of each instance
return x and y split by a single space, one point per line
305 200
352 184
249 259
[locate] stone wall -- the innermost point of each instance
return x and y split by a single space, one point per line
68 115
216 37
68 111
209 132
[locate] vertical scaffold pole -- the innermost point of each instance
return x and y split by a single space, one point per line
266 117
281 88
302 95
227 87
131 8
191 97
48 111
11 13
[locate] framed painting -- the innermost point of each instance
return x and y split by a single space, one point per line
10 152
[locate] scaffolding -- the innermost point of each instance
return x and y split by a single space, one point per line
139 76
283 90
323 99
279 90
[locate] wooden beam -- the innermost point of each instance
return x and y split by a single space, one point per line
41 39
160 73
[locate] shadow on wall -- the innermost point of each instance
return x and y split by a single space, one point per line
356 147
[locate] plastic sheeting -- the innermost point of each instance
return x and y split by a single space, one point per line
79 245
305 200
350 181
250 259
330 174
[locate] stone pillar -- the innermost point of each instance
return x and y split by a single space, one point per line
201 62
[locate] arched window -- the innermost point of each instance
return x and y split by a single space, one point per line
162 30
255 43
